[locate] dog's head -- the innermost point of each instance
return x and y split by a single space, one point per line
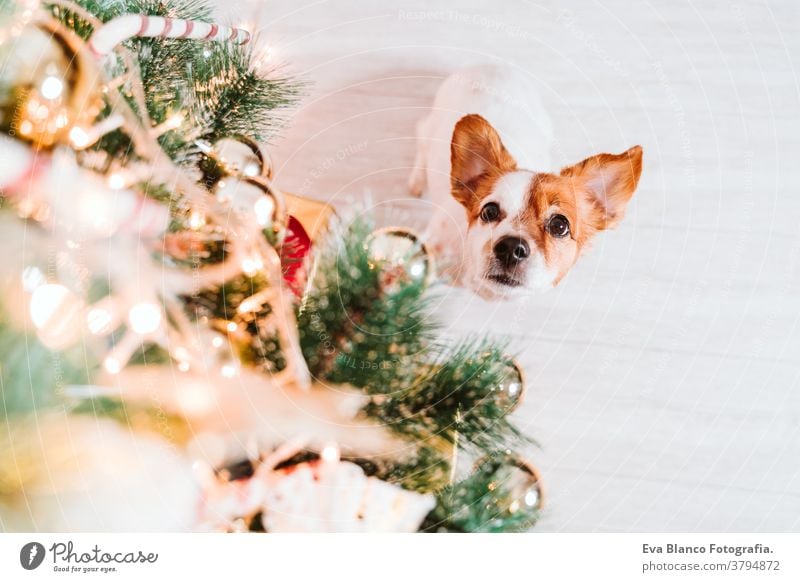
526 229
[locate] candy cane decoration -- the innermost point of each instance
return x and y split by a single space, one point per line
130 26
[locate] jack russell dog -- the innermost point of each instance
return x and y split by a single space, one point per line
501 226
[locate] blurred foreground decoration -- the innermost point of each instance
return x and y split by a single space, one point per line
183 346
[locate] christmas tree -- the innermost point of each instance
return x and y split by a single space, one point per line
182 345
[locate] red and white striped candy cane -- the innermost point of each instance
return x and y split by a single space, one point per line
130 26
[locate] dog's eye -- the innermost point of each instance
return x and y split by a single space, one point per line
490 212
558 226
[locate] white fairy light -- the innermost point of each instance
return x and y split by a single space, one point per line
228 370
112 365
220 190
46 301
79 137
232 326
417 269
218 341
175 120
264 209
182 355
197 219
144 317
116 181
252 265
330 453
52 88
251 169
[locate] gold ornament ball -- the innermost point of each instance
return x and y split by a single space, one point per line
519 478
257 200
401 256
511 391
242 156
55 85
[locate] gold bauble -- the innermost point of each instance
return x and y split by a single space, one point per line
402 257
242 156
517 478
255 198
511 391
54 85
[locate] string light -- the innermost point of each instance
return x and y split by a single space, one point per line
220 191
232 326
228 370
112 365
251 169
264 209
144 317
79 137
116 181
330 453
197 219
51 88
252 265
182 355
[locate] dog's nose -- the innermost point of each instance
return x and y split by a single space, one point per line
511 251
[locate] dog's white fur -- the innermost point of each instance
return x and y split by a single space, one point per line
509 101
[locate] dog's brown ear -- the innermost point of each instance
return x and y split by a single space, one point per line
475 151
607 181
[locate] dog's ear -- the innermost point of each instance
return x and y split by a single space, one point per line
475 151
607 182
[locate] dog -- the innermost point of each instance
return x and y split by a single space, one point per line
502 226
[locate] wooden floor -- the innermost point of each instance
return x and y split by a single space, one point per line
664 373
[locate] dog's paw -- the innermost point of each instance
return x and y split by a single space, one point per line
416 182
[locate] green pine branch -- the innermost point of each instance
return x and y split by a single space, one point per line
32 376
485 502
458 397
351 329
214 85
